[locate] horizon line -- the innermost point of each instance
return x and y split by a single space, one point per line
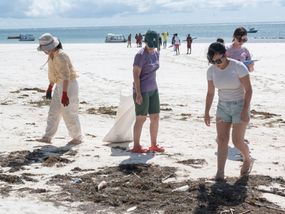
204 23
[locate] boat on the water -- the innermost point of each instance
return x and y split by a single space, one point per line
23 37
115 38
252 30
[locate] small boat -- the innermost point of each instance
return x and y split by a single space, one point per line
115 38
23 37
252 30
27 37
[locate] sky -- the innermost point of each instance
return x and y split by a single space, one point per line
76 13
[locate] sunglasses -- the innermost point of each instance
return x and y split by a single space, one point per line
242 39
217 61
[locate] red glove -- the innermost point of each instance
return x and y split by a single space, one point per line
64 98
49 90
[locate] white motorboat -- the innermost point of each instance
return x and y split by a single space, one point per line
115 38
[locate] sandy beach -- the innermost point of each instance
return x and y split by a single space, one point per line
40 178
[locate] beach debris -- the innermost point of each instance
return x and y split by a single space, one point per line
6 102
72 153
33 89
16 160
181 189
91 135
230 211
12 179
266 206
76 181
165 109
123 186
92 111
275 162
15 92
32 124
137 176
186 114
271 190
40 103
263 115
107 110
52 160
102 185
195 163
172 175
103 110
131 209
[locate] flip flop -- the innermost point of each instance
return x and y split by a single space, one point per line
139 150
156 148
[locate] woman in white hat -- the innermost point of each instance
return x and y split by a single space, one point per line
65 101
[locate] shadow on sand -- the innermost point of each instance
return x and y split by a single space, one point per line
221 194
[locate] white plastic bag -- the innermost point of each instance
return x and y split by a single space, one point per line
125 117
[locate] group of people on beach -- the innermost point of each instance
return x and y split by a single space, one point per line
227 73
162 41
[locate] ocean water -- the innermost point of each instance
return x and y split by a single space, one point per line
205 33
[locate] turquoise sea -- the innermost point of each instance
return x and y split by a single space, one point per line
205 33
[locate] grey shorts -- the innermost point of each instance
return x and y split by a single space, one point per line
229 111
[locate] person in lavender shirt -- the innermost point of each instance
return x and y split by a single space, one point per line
237 51
145 92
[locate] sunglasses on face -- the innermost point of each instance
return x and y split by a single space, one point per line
217 61
242 39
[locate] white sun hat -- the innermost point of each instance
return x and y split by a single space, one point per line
47 42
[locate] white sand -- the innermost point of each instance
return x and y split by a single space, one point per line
105 70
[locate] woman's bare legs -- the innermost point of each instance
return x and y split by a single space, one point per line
238 133
223 135
154 124
138 130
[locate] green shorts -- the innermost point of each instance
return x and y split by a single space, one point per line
150 105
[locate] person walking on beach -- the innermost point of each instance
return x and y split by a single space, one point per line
236 49
145 92
232 80
137 39
65 101
177 44
189 41
129 41
165 38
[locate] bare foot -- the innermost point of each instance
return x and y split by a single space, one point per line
44 140
246 167
75 142
220 177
